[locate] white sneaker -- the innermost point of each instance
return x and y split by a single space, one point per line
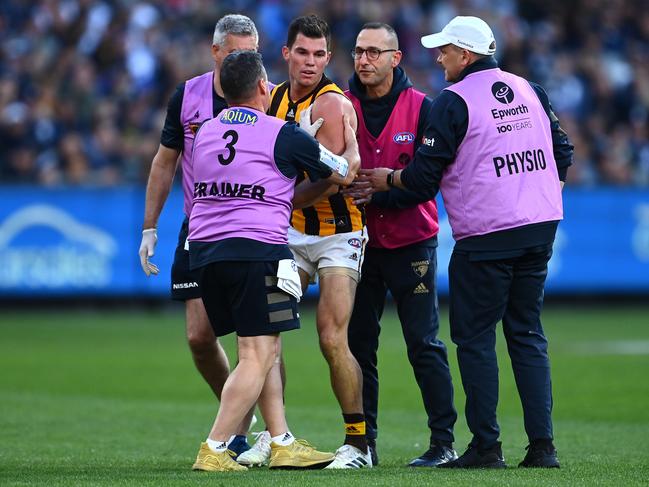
348 456
259 453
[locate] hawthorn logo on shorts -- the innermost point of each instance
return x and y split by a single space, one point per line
355 242
404 138
420 267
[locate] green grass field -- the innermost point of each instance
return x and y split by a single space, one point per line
112 397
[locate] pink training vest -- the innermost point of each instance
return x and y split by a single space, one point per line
392 228
504 174
238 189
197 108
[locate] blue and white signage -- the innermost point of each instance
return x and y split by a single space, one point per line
85 243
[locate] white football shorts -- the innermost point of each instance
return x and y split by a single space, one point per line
315 253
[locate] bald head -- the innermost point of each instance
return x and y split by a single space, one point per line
390 38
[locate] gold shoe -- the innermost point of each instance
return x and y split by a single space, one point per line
210 461
298 454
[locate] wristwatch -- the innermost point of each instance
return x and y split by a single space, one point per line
390 178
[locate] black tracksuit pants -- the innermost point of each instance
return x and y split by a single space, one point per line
485 289
409 273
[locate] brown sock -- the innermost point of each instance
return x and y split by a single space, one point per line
355 431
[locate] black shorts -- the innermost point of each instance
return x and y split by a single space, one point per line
243 297
185 284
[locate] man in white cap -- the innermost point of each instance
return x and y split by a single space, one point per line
498 155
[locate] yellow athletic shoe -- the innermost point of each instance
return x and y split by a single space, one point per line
210 461
298 454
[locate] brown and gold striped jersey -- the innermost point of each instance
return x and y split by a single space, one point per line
335 214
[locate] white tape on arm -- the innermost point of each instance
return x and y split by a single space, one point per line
336 163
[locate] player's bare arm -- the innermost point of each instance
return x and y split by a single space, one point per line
350 155
308 193
331 107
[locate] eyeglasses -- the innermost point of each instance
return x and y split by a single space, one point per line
372 53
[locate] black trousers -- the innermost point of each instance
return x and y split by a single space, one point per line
410 275
483 291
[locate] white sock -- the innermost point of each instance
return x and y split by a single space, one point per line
217 446
284 439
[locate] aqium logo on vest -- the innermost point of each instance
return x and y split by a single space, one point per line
238 116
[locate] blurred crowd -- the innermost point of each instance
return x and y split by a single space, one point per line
84 84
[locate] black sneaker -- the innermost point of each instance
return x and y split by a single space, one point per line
475 457
437 454
371 444
540 454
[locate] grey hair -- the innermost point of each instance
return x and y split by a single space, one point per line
235 24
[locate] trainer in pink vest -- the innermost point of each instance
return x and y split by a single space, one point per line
198 107
238 189
504 174
392 228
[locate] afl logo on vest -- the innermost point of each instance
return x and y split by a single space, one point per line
502 92
404 138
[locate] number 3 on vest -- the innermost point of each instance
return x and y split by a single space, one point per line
230 146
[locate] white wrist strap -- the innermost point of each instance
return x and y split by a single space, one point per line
336 163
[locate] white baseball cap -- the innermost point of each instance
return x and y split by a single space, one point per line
470 33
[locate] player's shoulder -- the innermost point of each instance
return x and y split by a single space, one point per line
331 107
334 101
